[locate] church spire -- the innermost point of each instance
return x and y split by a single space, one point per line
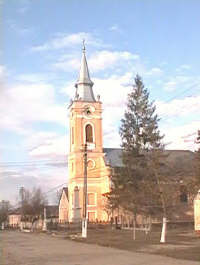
84 84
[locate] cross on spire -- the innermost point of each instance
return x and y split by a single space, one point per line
83 45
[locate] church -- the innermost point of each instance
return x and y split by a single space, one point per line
85 118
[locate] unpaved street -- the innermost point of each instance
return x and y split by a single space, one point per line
17 248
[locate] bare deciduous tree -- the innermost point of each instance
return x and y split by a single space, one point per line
32 203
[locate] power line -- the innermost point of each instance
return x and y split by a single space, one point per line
165 117
33 161
56 187
34 166
183 92
179 94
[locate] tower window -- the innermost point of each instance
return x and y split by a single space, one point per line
183 194
88 133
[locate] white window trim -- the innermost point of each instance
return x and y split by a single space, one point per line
93 133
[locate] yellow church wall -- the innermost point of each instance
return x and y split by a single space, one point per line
94 186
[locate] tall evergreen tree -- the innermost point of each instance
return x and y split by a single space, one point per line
140 135
137 186
139 128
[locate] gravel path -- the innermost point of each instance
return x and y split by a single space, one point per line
17 248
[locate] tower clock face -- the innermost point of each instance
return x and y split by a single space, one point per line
88 110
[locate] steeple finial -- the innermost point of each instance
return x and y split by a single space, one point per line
83 46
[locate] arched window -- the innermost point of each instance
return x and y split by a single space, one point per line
88 133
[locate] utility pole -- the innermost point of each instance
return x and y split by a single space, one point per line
84 218
44 227
21 194
22 197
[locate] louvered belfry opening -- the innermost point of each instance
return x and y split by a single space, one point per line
88 132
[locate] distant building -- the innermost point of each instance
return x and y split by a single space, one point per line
14 217
52 212
4 204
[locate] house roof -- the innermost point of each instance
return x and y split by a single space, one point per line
180 161
113 157
177 161
16 211
65 189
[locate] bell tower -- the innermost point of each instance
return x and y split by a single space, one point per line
85 115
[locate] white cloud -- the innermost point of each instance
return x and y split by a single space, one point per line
107 59
2 72
67 40
22 105
115 28
50 145
33 78
38 138
19 29
183 67
182 137
98 61
179 107
67 65
181 81
154 71
113 90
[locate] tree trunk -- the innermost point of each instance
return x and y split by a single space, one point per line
164 223
134 224
164 230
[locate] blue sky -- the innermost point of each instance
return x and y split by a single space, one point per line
40 60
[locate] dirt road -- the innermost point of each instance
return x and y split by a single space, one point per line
18 248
